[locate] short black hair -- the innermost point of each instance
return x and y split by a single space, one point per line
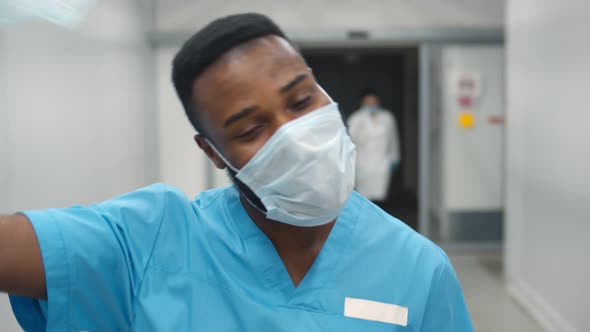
368 92
208 45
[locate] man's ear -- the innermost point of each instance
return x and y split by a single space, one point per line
206 147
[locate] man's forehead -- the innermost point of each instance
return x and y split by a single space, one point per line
272 46
236 78
252 56
271 59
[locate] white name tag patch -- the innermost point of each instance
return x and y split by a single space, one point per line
376 311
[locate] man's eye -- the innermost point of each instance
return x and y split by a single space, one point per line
302 104
249 134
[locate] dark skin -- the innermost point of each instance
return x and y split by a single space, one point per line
243 98
21 265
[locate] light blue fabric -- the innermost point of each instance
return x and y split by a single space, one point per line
153 260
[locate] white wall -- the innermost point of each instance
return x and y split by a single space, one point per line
7 321
76 123
548 210
466 165
4 134
335 15
473 158
181 162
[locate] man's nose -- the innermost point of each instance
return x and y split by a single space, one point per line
283 116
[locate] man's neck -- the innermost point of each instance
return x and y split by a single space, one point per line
298 247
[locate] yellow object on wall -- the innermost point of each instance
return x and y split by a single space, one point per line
466 120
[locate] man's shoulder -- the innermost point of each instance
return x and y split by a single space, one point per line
158 189
214 197
379 219
175 195
172 204
206 205
391 235
190 225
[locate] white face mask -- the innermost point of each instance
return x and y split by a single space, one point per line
304 173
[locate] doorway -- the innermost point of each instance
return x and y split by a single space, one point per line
393 72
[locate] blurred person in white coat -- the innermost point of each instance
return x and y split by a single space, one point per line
374 132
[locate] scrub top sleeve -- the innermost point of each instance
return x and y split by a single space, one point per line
446 310
94 259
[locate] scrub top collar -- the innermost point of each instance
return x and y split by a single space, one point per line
324 270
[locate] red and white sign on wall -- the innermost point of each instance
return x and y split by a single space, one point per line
466 88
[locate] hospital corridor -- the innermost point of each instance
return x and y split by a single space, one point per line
313 165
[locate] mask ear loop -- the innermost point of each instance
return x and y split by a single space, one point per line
324 91
227 163
254 205
235 171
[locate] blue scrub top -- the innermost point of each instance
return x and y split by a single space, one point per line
152 260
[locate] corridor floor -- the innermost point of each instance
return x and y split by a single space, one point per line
490 306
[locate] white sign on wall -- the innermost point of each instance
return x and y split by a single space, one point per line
466 87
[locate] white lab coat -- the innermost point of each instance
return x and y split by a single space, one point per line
377 142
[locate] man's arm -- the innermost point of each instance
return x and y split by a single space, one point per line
21 264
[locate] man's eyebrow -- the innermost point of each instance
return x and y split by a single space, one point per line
250 109
294 82
239 115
